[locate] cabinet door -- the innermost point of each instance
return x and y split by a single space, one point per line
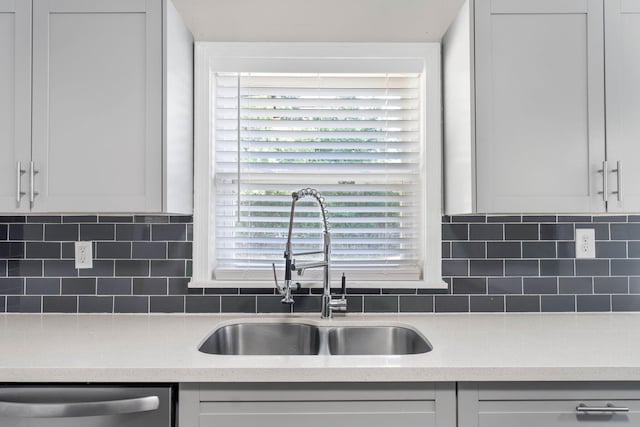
318 405
622 38
15 101
547 405
97 105
539 105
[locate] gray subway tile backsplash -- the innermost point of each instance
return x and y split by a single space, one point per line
504 285
133 232
468 250
307 304
131 304
556 231
202 304
150 286
592 267
557 303
95 304
625 231
113 250
24 304
166 304
11 286
415 304
521 232
486 303
525 267
12 250
26 232
73 219
504 250
79 286
451 303
514 263
625 302
522 303
97 232
24 268
43 250
593 302
455 231
610 285
238 304
168 232
381 304
131 268
486 232
59 304
61 232
575 285
540 285
42 286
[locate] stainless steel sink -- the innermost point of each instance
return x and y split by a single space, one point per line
376 340
263 339
282 339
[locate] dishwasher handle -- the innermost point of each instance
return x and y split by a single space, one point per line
79 409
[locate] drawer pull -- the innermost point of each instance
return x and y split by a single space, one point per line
605 183
32 192
618 171
583 409
19 173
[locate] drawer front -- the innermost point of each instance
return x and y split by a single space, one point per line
540 404
562 413
318 414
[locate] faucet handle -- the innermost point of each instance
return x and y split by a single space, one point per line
340 304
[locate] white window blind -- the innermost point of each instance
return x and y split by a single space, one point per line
354 137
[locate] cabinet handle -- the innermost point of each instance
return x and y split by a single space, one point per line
583 409
32 192
605 184
618 171
80 409
19 173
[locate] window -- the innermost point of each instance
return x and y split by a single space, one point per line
350 120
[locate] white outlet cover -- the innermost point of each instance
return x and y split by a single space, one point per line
585 243
84 254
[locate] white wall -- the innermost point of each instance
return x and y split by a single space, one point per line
318 20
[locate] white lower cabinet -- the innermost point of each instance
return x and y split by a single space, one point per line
548 404
318 405
467 404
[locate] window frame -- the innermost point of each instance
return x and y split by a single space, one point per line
210 56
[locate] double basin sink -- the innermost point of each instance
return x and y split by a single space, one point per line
288 339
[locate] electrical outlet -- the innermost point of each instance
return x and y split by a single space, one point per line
84 254
585 243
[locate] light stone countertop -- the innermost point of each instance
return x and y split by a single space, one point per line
467 347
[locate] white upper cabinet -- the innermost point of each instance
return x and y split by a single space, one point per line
622 39
533 116
100 108
15 102
539 105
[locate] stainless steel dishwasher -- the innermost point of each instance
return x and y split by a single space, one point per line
86 406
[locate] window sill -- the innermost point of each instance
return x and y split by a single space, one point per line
355 284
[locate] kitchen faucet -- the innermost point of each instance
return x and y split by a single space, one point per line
329 305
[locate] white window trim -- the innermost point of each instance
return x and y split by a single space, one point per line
210 55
